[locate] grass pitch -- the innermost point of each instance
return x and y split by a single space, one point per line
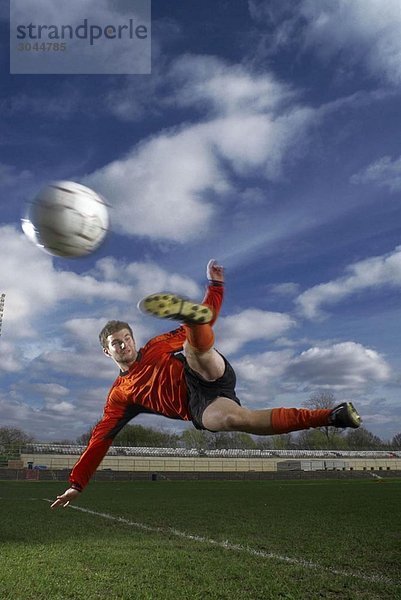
203 540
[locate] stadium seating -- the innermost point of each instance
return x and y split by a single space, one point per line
219 453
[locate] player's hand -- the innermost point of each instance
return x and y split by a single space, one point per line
214 272
64 500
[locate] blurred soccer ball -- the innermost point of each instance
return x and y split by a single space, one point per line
66 219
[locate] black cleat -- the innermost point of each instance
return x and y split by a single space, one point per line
345 415
171 306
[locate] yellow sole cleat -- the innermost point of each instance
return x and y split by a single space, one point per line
171 306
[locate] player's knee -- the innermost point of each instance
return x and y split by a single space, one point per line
236 420
225 415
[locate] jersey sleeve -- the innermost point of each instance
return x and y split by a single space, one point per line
91 457
213 298
104 432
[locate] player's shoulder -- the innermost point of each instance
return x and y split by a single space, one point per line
114 387
165 339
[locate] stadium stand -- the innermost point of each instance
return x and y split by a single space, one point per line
35 448
54 461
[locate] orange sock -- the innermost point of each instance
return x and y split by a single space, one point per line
284 420
200 337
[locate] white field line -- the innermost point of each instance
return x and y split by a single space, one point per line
227 545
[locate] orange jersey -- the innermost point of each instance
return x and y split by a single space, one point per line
155 383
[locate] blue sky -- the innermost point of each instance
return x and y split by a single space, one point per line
267 137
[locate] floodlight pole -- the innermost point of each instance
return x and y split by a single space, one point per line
2 301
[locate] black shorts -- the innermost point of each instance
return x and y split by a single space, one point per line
201 393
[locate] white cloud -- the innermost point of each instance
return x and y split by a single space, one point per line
383 172
258 141
369 31
260 369
202 82
147 277
156 191
250 325
358 32
39 287
283 289
77 364
23 266
85 332
342 366
163 188
53 418
367 274
49 390
64 407
209 81
347 365
15 411
10 358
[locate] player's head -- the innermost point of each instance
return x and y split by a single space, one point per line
118 343
110 328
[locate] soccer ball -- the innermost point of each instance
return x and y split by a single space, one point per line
66 219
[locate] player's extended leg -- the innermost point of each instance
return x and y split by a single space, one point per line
225 415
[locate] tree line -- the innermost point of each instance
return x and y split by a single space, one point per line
325 438
12 440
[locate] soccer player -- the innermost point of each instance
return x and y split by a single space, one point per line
181 375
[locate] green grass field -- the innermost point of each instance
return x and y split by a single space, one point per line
203 540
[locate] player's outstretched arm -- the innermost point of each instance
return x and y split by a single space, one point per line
65 499
214 271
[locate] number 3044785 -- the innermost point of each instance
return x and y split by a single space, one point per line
42 47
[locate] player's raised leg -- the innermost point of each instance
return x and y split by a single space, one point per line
199 351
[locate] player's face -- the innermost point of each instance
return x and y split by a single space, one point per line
121 347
